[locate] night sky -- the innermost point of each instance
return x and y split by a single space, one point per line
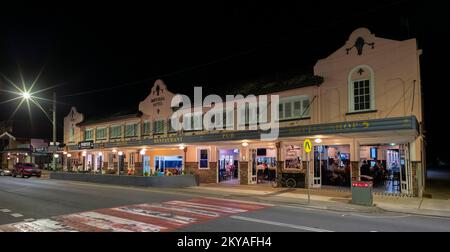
83 48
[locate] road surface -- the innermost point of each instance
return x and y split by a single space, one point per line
51 205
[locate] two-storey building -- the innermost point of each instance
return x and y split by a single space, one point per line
362 109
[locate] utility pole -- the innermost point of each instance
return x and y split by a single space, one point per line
54 130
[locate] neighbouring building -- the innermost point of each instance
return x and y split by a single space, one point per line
362 109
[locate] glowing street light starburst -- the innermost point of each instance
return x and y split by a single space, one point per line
26 95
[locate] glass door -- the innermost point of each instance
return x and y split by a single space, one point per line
405 169
318 165
253 173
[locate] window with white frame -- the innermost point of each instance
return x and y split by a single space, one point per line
131 130
203 159
146 128
193 121
248 115
100 134
228 118
115 131
169 126
296 107
361 89
158 126
88 134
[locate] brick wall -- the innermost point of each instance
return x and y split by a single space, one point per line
415 182
243 172
355 170
205 175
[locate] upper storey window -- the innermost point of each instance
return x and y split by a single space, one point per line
296 107
361 89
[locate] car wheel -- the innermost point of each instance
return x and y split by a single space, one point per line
2 174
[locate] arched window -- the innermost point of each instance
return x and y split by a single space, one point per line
361 89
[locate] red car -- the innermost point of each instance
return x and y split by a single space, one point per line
26 170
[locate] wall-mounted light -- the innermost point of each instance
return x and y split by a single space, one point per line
69 155
65 153
84 153
181 147
114 150
245 144
56 156
393 144
142 152
120 153
100 154
318 140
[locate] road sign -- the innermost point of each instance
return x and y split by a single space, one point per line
307 145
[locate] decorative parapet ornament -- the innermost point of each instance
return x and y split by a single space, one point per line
359 45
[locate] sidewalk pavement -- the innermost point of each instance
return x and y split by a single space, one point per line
326 199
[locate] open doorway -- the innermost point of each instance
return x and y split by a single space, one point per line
228 166
332 165
385 166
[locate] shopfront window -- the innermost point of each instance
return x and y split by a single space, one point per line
169 165
293 159
203 159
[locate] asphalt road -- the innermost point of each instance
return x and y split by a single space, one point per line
33 200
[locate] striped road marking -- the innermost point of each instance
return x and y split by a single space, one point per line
5 210
16 215
280 224
154 217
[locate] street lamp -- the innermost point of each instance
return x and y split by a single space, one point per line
26 95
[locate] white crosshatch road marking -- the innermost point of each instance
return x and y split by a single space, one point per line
5 210
152 217
16 215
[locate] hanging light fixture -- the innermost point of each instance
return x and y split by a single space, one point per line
318 140
245 144
142 152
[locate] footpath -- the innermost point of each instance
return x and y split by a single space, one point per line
328 199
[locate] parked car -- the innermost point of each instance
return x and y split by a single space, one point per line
5 172
26 170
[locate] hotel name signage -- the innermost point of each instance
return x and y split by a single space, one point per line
86 145
158 101
404 123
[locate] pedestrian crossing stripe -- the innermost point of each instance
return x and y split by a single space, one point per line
152 217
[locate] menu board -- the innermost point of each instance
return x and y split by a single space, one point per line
293 158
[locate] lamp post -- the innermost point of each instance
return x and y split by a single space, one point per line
27 96
54 129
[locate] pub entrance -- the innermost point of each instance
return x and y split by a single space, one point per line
228 166
332 166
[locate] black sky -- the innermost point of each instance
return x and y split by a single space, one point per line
217 45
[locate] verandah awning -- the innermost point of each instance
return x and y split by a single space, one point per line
377 125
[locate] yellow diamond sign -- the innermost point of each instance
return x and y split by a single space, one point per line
307 145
